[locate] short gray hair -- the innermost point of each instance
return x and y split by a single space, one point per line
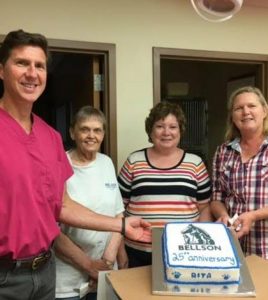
86 112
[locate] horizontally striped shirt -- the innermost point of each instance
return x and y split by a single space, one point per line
163 195
243 187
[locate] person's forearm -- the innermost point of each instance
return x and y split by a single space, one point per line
69 252
205 213
122 258
218 209
76 215
260 214
111 250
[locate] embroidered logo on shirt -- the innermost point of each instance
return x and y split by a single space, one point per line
110 186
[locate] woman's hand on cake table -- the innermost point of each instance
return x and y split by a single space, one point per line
224 219
243 223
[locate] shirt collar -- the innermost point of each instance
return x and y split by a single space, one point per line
235 144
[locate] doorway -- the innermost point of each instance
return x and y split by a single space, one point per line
190 76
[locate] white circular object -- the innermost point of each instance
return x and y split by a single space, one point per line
216 10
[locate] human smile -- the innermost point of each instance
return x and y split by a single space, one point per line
244 120
90 142
29 86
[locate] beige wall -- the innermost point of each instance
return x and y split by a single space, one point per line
135 27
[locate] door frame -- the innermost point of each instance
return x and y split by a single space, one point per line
109 52
206 56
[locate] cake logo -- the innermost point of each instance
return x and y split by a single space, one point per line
195 235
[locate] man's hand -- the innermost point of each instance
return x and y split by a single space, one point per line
138 229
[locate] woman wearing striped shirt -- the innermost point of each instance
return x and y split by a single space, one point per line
163 183
240 171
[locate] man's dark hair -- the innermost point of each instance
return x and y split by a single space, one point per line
19 38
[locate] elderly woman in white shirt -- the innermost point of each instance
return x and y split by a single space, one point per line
81 253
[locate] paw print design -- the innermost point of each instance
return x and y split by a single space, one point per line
177 275
176 288
226 276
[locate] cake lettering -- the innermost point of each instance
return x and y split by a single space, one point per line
199 247
200 290
201 275
196 258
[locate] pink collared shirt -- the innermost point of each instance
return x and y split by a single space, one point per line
33 170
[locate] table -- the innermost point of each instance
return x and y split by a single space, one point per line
135 284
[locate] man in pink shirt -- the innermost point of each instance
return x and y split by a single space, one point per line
33 171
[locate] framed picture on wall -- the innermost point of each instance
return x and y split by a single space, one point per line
236 83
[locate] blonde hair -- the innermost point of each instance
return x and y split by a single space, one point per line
232 131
